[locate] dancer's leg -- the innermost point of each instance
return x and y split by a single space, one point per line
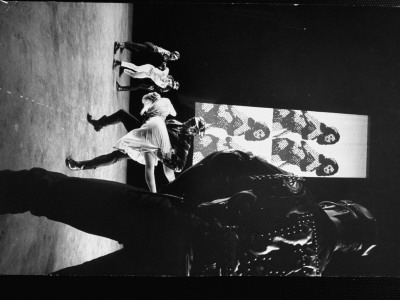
126 261
132 46
116 263
138 84
130 122
99 161
129 66
139 75
137 260
118 211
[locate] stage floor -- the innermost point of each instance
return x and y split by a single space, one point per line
56 66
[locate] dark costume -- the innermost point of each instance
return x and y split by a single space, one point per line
271 227
181 142
146 84
180 139
154 55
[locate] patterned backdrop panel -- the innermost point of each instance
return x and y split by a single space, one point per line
306 143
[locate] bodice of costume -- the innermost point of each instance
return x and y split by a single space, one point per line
158 76
161 107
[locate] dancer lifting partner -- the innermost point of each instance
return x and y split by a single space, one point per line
141 143
180 135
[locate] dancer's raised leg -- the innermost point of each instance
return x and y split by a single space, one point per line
100 161
130 122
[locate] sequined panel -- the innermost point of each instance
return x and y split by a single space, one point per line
290 250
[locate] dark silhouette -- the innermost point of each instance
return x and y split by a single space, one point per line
239 215
153 54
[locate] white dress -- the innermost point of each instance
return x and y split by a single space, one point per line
152 135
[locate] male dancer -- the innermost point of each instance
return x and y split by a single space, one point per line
154 55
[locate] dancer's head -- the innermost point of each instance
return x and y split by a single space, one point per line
153 96
328 166
329 135
172 83
258 131
174 55
195 126
357 227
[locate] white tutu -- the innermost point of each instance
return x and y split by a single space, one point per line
151 136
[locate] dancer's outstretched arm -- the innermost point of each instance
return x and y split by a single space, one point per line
149 172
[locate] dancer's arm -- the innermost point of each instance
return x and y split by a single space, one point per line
149 172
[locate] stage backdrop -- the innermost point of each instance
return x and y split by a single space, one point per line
289 139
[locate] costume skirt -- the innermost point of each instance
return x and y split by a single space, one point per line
150 137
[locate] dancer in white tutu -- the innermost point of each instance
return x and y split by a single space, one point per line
141 144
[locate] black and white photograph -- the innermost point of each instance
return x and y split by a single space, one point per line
199 139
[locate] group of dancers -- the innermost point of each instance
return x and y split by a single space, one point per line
156 139
232 213
153 76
